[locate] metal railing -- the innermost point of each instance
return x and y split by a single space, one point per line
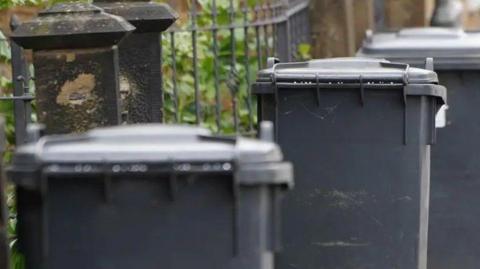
270 28
21 94
209 62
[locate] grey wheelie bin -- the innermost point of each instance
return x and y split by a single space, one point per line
149 197
358 132
454 238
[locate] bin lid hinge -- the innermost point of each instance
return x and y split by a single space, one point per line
277 229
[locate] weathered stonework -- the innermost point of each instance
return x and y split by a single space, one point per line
76 91
76 66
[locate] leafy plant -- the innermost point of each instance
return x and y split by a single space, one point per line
232 78
6 109
4 4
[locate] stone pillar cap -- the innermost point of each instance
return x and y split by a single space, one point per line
145 16
71 26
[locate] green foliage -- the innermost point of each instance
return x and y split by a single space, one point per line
4 4
304 51
206 75
12 3
6 108
4 48
17 260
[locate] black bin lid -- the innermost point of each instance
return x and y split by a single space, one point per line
345 70
451 48
151 149
349 73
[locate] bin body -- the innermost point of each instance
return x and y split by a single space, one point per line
362 157
454 241
155 197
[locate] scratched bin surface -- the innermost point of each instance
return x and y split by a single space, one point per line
149 196
359 133
453 230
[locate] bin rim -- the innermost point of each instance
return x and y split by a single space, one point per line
340 72
153 149
337 73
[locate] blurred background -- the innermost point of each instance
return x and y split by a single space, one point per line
338 27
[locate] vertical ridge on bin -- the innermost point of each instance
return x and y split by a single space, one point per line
362 91
433 133
429 65
405 116
317 88
172 184
107 183
277 227
44 224
236 219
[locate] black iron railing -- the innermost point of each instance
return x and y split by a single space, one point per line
239 47
209 61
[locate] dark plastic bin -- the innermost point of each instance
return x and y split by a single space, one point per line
454 237
359 133
149 197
